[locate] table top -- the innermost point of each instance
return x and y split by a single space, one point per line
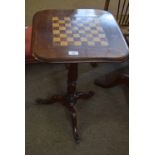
82 35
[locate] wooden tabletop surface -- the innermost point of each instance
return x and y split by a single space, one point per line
82 35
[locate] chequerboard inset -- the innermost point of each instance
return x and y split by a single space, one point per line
78 31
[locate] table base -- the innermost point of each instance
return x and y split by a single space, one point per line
70 99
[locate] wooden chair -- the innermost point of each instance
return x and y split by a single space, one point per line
122 16
120 76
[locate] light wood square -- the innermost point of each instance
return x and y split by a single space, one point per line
84 39
104 43
61 21
67 18
55 18
75 28
101 35
94 32
96 39
90 43
63 43
77 43
87 28
56 32
89 35
68 24
70 39
76 35
63 35
62 28
69 32
81 31
55 39
55 25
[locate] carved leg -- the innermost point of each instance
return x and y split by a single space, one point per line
72 109
84 95
51 100
71 97
74 121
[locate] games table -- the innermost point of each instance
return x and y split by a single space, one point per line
72 37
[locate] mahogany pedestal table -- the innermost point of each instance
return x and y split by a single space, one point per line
72 37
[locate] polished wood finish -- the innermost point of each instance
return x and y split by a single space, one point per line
99 40
44 48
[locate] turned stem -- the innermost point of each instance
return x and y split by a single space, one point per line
72 78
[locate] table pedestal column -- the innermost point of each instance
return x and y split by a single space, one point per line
70 99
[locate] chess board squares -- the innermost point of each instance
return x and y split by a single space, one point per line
75 28
83 39
77 43
59 42
63 35
74 22
55 18
62 28
81 31
68 32
102 35
64 43
56 39
91 25
68 24
91 43
56 32
70 39
77 32
94 32
76 35
55 25
89 35
99 28
87 28
61 22
96 39
80 24
67 18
